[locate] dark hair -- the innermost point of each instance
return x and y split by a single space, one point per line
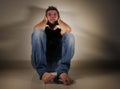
52 8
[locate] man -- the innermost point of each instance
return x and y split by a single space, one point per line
52 48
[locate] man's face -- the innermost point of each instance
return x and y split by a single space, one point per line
52 16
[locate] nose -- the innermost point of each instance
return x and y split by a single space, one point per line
52 16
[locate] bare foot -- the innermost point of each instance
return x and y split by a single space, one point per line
66 79
48 78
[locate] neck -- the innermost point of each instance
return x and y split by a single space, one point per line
52 25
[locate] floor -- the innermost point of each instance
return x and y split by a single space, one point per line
85 78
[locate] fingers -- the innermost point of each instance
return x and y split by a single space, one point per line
56 27
59 19
45 18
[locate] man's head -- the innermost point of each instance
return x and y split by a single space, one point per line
52 14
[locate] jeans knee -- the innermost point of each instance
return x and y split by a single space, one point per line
38 33
69 37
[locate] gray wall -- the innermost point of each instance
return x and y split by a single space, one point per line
94 24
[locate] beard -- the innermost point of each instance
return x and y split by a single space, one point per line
52 25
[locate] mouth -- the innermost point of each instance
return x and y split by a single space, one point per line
52 20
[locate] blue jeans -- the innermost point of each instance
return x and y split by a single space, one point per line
42 63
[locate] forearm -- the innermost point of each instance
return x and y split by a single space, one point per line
41 25
65 27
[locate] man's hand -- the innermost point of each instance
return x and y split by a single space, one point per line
66 79
48 78
64 27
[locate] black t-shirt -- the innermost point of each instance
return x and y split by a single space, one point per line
53 44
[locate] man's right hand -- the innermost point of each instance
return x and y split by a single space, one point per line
48 78
65 28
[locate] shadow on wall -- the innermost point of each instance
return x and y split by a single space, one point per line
15 37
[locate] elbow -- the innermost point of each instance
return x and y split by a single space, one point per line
69 29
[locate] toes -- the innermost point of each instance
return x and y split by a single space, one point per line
66 79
